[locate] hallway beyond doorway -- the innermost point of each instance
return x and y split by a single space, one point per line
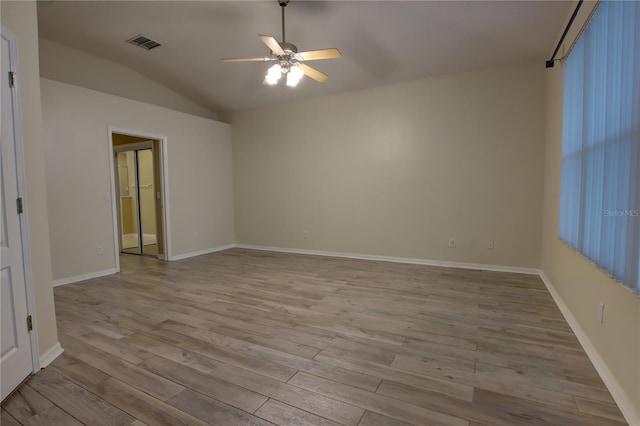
138 198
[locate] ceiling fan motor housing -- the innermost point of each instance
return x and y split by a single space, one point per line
288 47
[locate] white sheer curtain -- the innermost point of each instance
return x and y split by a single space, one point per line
600 192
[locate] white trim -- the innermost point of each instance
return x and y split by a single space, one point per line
428 262
623 400
77 278
114 204
164 183
24 225
201 252
50 355
164 190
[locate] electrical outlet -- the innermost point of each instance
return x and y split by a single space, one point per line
196 235
99 250
305 233
452 242
491 245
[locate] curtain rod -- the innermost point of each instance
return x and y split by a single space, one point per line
550 62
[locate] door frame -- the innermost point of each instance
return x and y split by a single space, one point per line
164 189
20 171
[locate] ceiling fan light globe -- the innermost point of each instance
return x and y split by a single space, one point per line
275 71
294 76
274 74
296 72
292 81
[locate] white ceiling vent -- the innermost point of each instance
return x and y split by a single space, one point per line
144 42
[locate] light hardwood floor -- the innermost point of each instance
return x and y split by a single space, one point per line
245 337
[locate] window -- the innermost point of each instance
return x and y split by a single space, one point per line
600 192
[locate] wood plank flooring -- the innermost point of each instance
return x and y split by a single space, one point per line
245 337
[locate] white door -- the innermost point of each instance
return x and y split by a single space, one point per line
15 360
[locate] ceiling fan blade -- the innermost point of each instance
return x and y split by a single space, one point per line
313 55
271 44
313 73
256 59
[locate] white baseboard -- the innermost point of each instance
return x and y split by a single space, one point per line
83 277
50 355
427 262
201 252
626 405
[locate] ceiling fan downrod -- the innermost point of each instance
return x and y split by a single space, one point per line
283 4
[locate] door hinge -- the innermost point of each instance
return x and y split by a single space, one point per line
19 205
30 323
12 79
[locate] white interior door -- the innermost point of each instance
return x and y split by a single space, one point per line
15 359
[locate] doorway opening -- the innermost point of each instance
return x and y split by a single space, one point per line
138 178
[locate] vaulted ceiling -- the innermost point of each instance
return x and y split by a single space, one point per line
381 41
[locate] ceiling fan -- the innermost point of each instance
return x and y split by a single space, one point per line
289 60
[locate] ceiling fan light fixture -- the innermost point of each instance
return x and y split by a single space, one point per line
294 76
290 61
274 74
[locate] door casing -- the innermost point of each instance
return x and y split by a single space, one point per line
164 190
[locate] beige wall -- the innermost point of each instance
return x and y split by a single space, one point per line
397 170
75 122
21 19
68 65
581 285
